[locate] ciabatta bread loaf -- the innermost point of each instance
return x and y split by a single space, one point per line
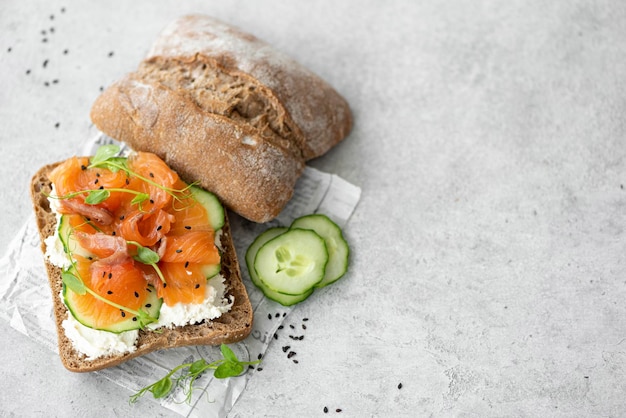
224 108
232 326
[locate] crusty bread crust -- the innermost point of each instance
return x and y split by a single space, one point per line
231 327
224 108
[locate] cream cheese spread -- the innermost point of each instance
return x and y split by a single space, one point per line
94 343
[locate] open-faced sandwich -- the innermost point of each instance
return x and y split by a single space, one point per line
137 259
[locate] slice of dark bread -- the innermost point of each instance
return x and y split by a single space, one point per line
231 327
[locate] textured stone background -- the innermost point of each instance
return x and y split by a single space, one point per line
488 268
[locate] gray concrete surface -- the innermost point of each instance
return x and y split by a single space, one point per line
488 268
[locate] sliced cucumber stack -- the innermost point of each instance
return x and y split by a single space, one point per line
286 300
288 264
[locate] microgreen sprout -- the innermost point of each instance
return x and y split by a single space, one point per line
96 196
228 366
146 256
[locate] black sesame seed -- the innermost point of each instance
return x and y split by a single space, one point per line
122 218
27 72
136 294
101 187
152 175
148 290
295 361
179 251
9 49
65 51
301 337
259 369
148 305
55 81
123 314
292 327
45 63
62 9
303 326
338 410
135 318
275 336
110 275
109 292
111 54
325 409
51 17
260 356
305 319
127 182
269 316
56 125
187 227
159 227
284 314
97 174
285 348
96 181
291 354
164 285
399 385
104 274
90 258
152 201
43 32
277 315
45 83
281 326
186 264
197 285
44 40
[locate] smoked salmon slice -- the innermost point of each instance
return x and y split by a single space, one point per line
121 283
194 247
185 284
74 176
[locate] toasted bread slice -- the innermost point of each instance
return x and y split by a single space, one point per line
231 327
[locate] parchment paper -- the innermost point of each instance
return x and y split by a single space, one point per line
25 298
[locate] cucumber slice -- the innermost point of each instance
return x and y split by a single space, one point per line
212 205
70 245
210 270
338 250
285 300
293 262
